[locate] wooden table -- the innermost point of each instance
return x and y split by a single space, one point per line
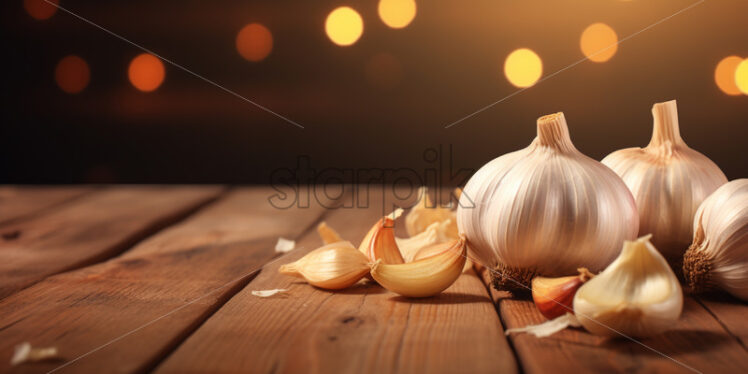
159 278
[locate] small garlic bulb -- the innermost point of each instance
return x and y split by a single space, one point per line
546 210
637 295
719 253
668 180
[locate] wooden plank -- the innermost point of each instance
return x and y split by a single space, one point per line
20 202
730 312
90 229
364 329
133 309
697 343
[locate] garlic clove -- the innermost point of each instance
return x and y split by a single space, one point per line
379 243
425 277
668 180
718 256
328 234
334 266
554 297
409 247
424 213
637 295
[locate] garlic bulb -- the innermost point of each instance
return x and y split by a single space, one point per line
545 210
668 180
637 295
719 253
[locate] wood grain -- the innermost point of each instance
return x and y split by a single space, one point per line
20 202
697 343
364 329
90 229
730 312
169 284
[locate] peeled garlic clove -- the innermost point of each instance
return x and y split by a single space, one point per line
637 295
554 297
379 243
718 256
669 181
424 213
545 210
328 234
334 266
423 278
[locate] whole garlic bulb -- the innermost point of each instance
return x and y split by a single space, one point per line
719 253
637 295
546 210
668 180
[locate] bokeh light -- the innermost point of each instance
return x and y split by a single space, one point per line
397 13
40 9
383 71
523 67
254 42
724 75
344 26
599 42
146 72
741 76
72 74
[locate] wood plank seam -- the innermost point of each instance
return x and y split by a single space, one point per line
724 326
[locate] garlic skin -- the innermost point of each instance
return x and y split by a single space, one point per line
669 181
334 266
545 210
637 295
719 253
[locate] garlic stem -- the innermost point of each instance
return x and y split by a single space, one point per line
666 129
553 132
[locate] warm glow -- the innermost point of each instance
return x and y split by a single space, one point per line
72 74
599 42
397 13
724 75
741 76
254 42
383 71
523 67
344 26
146 72
40 9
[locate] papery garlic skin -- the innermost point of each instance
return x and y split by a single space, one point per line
669 181
718 255
638 295
545 210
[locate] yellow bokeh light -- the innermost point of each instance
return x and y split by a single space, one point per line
344 26
599 42
397 13
741 76
724 75
523 67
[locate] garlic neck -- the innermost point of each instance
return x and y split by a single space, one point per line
666 131
554 133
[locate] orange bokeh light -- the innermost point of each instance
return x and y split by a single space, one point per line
72 74
146 72
599 42
724 75
254 42
40 9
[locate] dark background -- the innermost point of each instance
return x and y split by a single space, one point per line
448 64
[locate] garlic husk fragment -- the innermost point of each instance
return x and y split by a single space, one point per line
328 234
549 327
285 245
637 295
669 181
423 278
334 266
24 352
425 213
718 256
545 210
379 243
